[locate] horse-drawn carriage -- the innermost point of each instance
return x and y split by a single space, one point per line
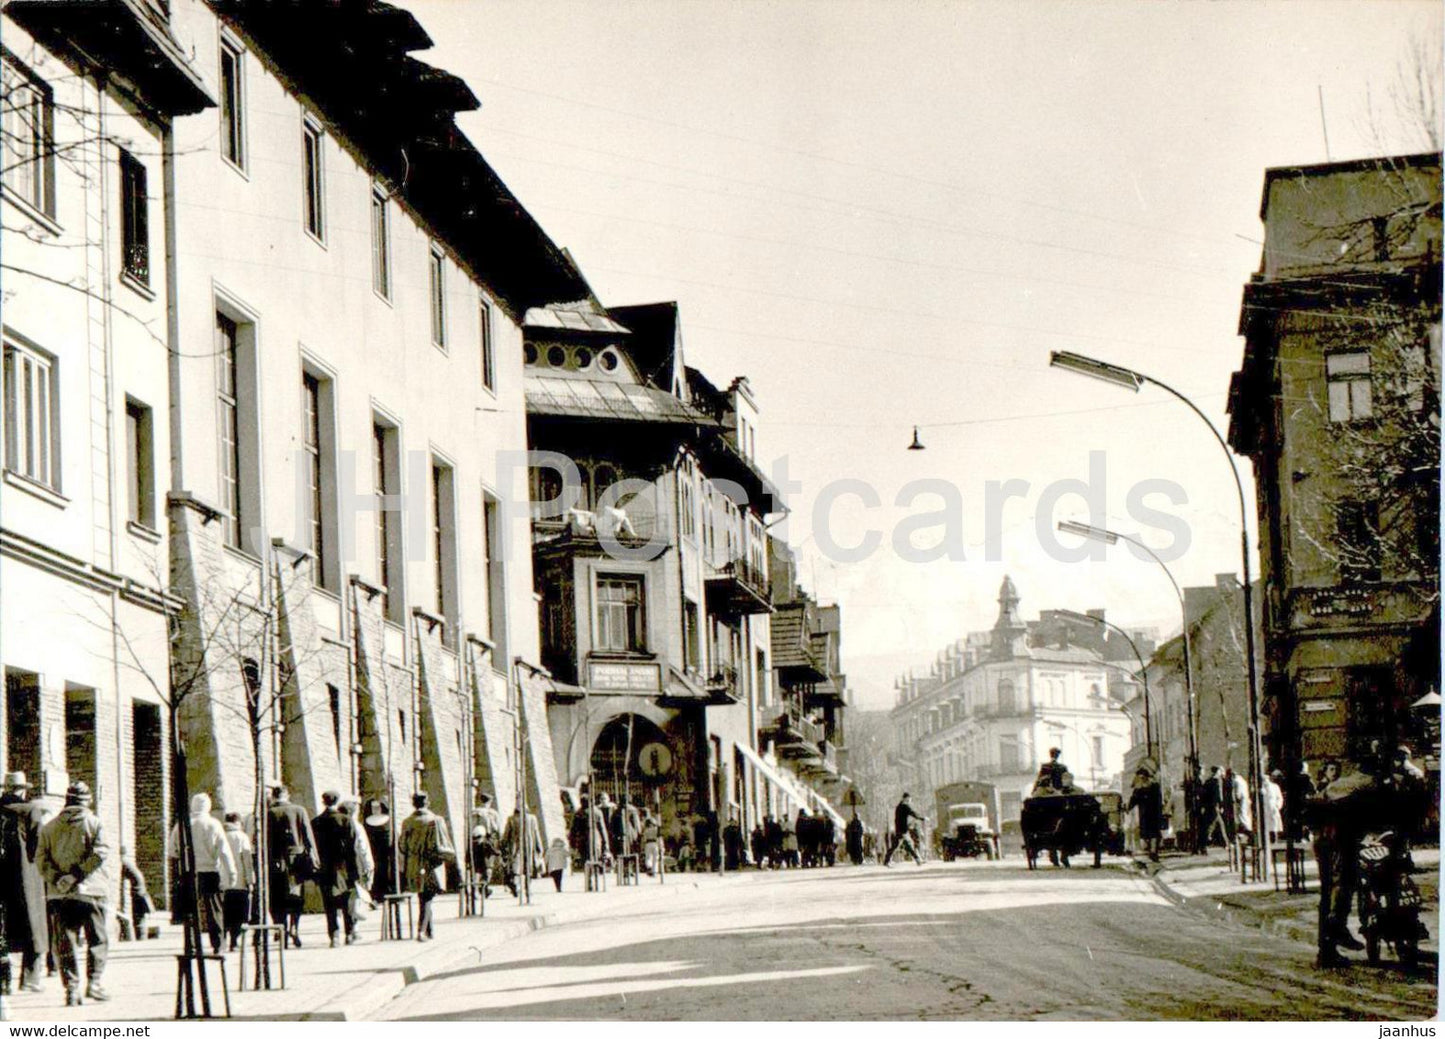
1063 825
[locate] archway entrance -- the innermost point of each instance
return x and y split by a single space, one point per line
626 760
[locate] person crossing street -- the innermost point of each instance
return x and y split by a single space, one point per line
903 816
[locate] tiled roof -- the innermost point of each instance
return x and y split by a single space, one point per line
606 399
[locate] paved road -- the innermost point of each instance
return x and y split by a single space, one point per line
964 941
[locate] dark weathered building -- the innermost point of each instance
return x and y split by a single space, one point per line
1337 405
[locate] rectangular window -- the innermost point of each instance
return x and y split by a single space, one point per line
496 577
489 371
32 429
1357 525
385 478
438 296
1351 393
620 615
228 416
140 455
688 517
380 244
233 105
318 408
134 220
444 547
314 183
26 130
691 648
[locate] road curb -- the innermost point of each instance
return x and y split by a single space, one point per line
1223 909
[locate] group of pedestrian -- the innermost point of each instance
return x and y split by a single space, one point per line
600 831
804 841
56 873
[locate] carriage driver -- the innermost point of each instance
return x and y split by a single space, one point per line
1053 775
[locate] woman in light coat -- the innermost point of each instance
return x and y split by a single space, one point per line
1272 799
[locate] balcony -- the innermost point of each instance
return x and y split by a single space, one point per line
722 688
796 737
610 532
738 589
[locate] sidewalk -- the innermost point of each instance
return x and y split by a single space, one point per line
350 982
1206 885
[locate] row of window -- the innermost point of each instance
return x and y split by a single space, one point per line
236 411
313 183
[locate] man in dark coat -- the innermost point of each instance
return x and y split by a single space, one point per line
426 846
853 835
291 849
733 842
337 872
903 816
1147 799
378 834
22 899
1212 802
759 846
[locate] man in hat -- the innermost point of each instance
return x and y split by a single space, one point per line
291 849
73 857
338 871
426 847
22 892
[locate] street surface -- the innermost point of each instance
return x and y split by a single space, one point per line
977 941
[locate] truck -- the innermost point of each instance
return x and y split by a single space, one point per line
967 820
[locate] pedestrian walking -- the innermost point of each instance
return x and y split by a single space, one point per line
211 855
361 901
377 824
133 893
426 848
486 840
774 831
1339 819
1213 800
1243 810
759 846
522 849
853 838
23 924
651 843
236 894
291 847
903 815
733 842
73 857
557 859
792 857
1146 799
337 872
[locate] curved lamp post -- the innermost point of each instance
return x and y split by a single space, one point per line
1129 379
1111 537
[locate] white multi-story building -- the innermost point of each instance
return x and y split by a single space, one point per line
994 708
348 489
90 99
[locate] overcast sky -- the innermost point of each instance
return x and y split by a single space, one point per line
887 215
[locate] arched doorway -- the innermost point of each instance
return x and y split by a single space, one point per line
625 761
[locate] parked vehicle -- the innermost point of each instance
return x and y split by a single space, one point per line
965 832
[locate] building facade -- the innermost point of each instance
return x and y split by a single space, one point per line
1337 406
1221 690
997 702
650 563
90 102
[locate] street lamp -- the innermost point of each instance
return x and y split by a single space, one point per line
1111 537
1085 618
1129 379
